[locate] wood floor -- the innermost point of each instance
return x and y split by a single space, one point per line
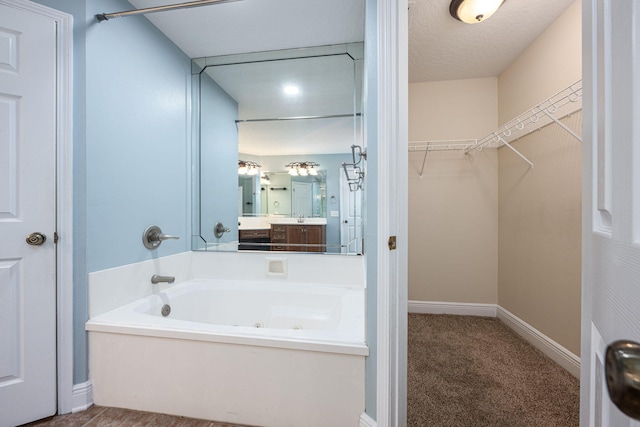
98 416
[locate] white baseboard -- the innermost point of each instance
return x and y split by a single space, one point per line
82 396
367 421
457 308
549 347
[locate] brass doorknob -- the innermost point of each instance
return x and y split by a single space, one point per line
36 239
622 370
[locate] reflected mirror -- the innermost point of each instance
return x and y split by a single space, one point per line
272 131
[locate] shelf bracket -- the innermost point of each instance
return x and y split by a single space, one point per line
562 125
513 149
424 160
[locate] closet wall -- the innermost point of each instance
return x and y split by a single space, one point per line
486 228
453 207
540 209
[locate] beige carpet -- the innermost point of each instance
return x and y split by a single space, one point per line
475 371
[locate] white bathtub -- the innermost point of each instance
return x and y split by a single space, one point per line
275 314
271 352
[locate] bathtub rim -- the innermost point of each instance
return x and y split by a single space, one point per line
127 320
348 348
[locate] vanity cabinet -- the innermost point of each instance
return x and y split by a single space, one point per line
290 237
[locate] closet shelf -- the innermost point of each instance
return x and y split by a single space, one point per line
452 145
562 104
551 110
445 145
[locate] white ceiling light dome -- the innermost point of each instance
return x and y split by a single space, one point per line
474 11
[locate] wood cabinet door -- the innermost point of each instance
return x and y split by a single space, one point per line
296 236
315 235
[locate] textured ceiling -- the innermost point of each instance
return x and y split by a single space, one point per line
443 48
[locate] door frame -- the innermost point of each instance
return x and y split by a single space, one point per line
392 210
64 196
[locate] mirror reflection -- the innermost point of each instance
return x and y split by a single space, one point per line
279 193
273 131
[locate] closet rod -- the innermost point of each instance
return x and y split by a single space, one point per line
106 16
278 119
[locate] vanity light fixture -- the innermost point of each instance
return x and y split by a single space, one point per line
474 11
247 167
302 168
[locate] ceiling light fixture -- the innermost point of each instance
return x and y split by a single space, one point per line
291 90
474 11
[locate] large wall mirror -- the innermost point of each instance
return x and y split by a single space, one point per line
272 131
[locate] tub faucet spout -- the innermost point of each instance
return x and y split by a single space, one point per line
155 279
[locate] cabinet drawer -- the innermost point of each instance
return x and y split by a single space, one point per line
278 237
278 229
253 234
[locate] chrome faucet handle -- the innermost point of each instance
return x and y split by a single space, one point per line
153 236
166 237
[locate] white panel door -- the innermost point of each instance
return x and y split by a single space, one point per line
350 218
27 205
301 203
611 210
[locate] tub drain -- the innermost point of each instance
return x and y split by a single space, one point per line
258 324
166 309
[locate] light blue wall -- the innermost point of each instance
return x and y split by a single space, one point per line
371 202
138 103
219 161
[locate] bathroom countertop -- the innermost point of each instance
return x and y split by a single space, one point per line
254 227
264 223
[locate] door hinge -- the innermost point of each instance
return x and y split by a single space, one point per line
55 237
392 243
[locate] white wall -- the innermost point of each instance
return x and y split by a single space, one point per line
453 207
551 63
540 208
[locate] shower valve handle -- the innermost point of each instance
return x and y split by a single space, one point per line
153 236
220 229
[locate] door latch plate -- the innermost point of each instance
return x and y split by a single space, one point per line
392 243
